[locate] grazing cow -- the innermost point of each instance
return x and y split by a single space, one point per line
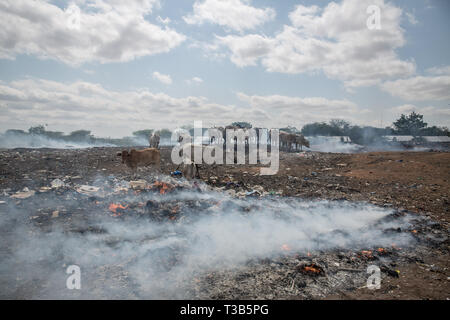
301 141
190 171
141 158
154 140
286 140
188 167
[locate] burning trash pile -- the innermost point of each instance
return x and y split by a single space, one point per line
166 237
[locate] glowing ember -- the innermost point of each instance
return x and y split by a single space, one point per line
114 206
311 269
285 247
163 187
367 254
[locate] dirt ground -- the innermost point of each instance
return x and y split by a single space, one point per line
417 182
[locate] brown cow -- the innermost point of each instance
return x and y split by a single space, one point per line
301 141
141 158
286 140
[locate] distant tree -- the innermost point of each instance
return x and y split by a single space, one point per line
321 129
412 124
187 127
435 131
242 125
388 131
165 133
341 126
366 135
143 133
54 134
290 129
37 130
313 129
356 135
15 132
79 135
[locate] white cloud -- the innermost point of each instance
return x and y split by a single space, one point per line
281 110
411 18
443 70
197 79
194 80
163 78
334 39
71 106
432 115
246 50
163 21
237 15
108 31
420 88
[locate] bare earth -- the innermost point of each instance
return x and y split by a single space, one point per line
417 182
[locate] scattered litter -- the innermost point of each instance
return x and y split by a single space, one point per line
25 193
44 189
253 193
57 183
162 187
138 184
88 190
176 173
390 272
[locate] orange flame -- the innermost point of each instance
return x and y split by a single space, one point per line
285 247
175 209
114 206
164 187
311 269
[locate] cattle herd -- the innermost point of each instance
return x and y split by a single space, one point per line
151 156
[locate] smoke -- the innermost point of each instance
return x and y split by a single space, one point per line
369 143
333 144
11 140
136 257
16 140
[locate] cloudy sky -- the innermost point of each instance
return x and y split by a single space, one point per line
115 66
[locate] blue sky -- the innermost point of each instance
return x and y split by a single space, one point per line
155 64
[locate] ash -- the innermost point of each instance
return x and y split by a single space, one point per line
152 236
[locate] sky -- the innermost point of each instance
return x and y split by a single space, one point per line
114 67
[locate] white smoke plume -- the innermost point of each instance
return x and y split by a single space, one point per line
136 257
